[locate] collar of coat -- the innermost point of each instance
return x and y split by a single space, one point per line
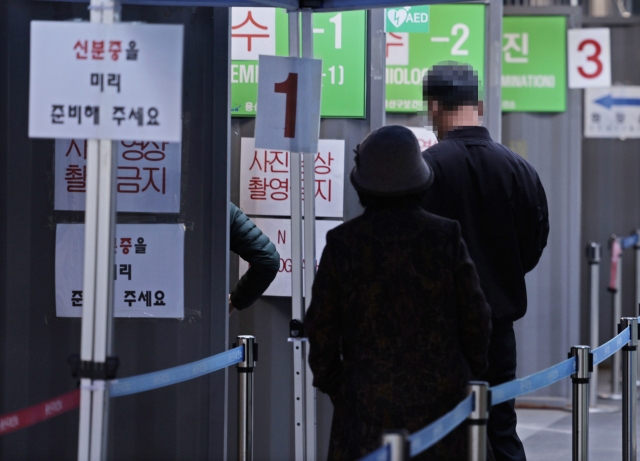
469 132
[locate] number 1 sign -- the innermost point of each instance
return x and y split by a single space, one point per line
288 114
589 58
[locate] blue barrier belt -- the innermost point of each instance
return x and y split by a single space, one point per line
149 381
611 347
381 454
517 387
629 241
434 432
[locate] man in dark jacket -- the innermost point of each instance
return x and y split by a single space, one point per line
501 206
248 242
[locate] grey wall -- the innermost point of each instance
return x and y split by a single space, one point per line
176 423
610 187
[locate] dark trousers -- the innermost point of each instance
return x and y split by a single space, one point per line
501 429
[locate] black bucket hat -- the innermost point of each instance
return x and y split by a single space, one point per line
389 163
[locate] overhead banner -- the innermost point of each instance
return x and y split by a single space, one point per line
105 81
279 232
612 112
455 33
148 270
147 181
339 40
264 179
534 64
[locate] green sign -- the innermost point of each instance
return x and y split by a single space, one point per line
339 40
456 33
534 77
407 19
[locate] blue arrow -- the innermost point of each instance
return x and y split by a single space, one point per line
608 101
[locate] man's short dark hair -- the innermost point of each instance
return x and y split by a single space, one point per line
452 84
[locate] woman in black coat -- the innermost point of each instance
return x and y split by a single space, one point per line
398 323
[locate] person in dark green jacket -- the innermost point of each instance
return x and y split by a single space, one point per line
248 242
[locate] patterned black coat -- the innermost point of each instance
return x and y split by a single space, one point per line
397 327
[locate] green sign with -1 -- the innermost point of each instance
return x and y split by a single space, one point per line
339 39
534 76
455 33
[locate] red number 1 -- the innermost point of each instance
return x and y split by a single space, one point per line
290 88
593 58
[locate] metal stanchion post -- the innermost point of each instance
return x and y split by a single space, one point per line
245 397
617 313
397 440
584 364
477 420
594 252
629 391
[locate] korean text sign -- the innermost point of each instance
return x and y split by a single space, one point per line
148 270
455 33
534 74
265 173
279 232
147 181
105 81
339 40
612 112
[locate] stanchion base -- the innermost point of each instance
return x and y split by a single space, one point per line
604 409
610 396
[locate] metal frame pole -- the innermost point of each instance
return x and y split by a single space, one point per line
617 314
636 248
376 88
492 118
97 314
594 255
245 397
580 407
309 254
398 444
629 389
477 421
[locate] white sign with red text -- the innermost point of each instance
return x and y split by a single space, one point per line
279 232
148 270
148 176
289 92
397 44
105 81
253 32
589 58
264 179
426 138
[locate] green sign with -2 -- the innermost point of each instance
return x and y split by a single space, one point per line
534 77
407 19
456 33
339 39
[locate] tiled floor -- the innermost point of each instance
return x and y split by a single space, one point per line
546 434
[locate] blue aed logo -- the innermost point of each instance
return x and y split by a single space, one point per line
407 19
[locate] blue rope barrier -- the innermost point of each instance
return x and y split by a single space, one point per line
628 241
381 454
428 436
157 379
544 378
611 347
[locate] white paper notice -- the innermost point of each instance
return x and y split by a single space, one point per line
264 179
279 232
426 138
148 177
397 53
105 81
612 112
148 270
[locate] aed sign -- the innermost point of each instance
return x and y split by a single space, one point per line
534 74
289 98
407 19
105 81
589 58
